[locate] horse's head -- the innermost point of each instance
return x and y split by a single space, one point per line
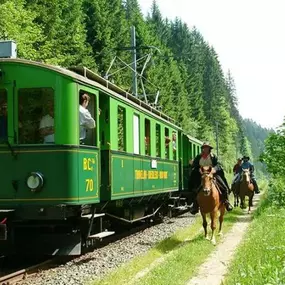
245 175
207 179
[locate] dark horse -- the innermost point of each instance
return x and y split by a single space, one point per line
235 190
210 202
246 188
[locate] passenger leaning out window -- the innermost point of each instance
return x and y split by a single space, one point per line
85 118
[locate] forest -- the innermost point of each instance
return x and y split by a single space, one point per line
183 66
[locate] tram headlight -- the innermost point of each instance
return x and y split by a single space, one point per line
35 181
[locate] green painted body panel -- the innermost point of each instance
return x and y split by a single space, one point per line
132 176
64 176
89 175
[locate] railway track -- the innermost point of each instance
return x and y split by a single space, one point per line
18 275
21 274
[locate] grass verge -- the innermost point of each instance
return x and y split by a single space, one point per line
126 273
180 259
260 258
185 261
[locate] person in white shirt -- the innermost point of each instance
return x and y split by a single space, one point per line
47 124
85 119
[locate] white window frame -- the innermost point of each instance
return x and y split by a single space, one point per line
136 133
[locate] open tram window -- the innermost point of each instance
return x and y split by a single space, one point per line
87 113
174 145
121 129
167 141
136 134
158 140
3 116
35 115
147 136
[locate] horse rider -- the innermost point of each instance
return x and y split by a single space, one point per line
236 170
248 165
206 158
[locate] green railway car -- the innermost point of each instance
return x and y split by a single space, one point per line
55 188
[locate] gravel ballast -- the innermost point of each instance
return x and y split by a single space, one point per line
102 261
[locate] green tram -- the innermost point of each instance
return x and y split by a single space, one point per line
54 194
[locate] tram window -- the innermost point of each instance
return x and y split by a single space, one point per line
174 145
121 129
158 140
3 116
167 141
36 115
147 136
136 134
87 124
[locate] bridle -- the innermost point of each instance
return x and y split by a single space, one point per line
207 191
247 175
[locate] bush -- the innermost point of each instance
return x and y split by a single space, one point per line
274 157
276 192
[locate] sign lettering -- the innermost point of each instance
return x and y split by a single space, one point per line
89 184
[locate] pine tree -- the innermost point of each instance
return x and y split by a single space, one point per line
64 30
17 23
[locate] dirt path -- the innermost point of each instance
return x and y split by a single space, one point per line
213 270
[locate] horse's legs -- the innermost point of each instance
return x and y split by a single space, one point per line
242 201
213 226
221 219
250 203
236 200
250 200
205 225
238 194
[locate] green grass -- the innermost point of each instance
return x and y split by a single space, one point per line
127 271
185 261
180 258
260 258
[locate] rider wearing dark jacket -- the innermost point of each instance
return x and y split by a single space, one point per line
248 165
206 158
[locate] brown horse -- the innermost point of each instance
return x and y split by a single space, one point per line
246 188
210 203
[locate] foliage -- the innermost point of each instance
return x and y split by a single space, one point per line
276 194
17 23
62 23
274 157
273 154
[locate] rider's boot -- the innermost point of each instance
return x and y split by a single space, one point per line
195 207
227 204
256 189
